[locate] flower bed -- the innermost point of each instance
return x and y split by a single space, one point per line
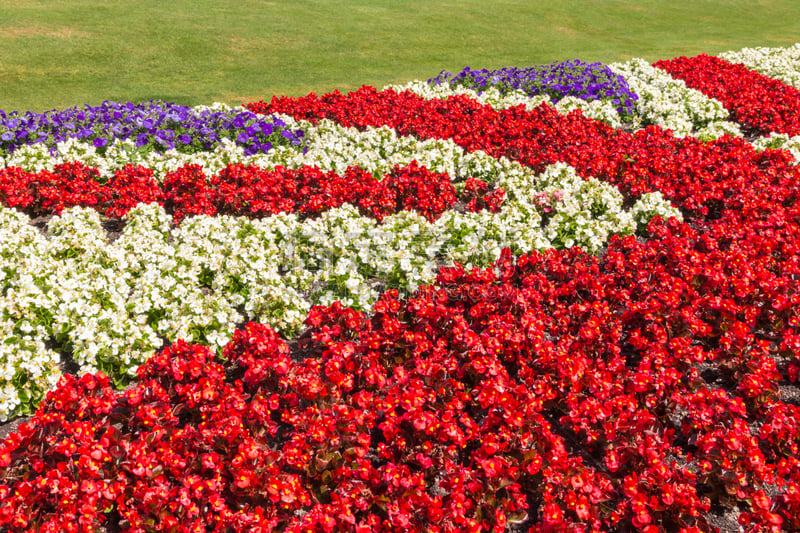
549 324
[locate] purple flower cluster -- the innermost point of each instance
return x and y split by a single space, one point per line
588 81
153 125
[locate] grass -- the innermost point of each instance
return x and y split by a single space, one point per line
58 53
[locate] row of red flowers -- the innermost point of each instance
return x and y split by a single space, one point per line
759 103
242 190
696 176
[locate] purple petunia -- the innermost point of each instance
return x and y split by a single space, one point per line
587 81
155 125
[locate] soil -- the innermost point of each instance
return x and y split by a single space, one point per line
7 428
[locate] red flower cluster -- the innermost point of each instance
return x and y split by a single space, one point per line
242 190
759 103
252 191
697 177
479 197
70 184
74 184
130 186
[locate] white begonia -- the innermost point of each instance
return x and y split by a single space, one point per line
216 107
33 158
491 96
27 368
668 102
602 110
650 205
85 317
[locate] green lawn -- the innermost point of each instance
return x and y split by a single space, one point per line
58 53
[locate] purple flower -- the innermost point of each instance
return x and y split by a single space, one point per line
146 123
240 120
156 121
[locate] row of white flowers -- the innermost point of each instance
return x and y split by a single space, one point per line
780 140
596 109
111 304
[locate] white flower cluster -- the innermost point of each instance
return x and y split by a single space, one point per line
779 63
376 150
670 103
28 367
651 205
89 283
107 305
37 157
234 264
491 96
602 110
